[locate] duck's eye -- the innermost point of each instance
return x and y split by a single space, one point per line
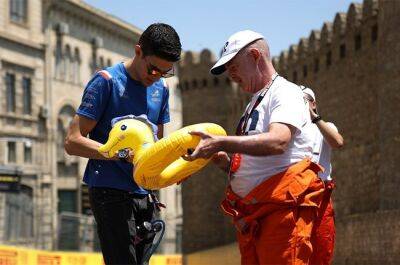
123 127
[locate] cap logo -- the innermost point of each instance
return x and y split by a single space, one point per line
225 46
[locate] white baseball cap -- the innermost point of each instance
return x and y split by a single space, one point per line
234 44
308 91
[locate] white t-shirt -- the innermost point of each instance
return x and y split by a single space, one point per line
322 152
283 103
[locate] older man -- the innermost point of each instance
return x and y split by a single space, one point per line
274 190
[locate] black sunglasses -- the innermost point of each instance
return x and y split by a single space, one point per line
154 71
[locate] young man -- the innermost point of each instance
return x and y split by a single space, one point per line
274 190
326 137
133 87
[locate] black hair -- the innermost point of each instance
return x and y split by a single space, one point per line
161 40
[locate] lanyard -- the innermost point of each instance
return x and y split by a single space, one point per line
240 129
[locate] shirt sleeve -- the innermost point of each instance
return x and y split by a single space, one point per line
95 98
288 106
164 114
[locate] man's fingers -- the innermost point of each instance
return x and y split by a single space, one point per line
187 157
198 133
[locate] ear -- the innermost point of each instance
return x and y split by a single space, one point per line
138 51
313 104
255 53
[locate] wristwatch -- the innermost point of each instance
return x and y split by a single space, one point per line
316 119
123 154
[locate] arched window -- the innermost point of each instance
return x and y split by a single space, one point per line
77 66
101 62
59 64
68 63
64 118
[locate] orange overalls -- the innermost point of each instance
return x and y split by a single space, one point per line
274 221
323 235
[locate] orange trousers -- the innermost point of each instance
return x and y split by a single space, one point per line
323 234
275 220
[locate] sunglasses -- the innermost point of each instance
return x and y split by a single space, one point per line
155 71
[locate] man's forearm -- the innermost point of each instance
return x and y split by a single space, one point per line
333 138
84 147
257 145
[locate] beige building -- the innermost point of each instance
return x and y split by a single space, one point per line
49 49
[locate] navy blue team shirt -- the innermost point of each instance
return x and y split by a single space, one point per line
107 98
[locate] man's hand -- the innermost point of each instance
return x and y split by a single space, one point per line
313 113
207 147
221 160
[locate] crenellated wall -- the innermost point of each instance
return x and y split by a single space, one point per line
352 64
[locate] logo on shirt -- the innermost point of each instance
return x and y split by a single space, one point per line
155 96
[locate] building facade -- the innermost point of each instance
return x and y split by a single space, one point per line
49 50
352 64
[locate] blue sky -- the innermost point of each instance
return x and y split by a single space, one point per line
207 24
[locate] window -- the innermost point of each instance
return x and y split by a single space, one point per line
68 64
18 10
101 62
28 152
60 140
67 201
10 88
67 171
328 58
374 33
59 69
342 50
27 95
357 42
19 215
316 65
77 66
11 152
